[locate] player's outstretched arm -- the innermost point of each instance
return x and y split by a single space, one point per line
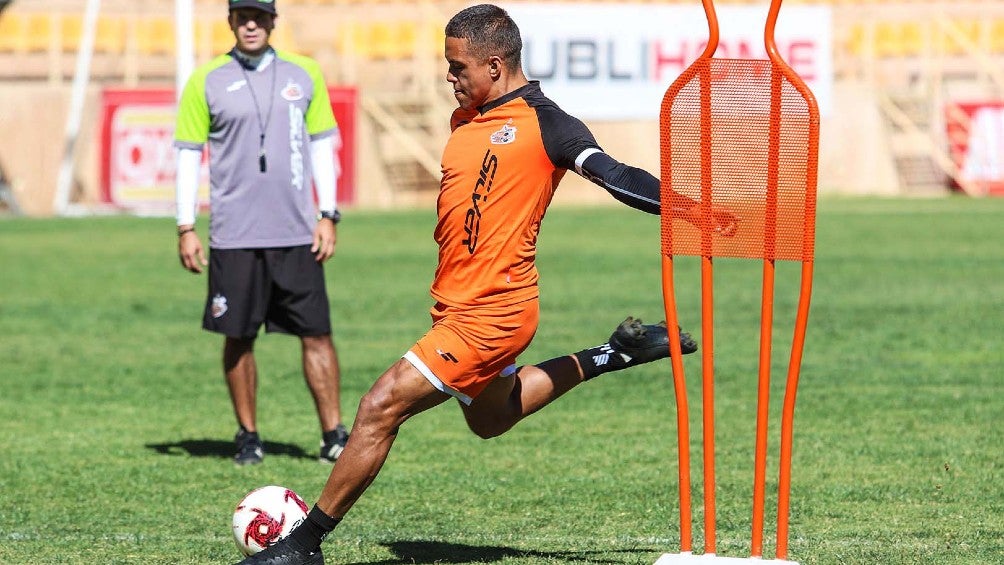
641 190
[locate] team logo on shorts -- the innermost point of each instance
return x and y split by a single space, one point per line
447 355
292 91
505 135
219 307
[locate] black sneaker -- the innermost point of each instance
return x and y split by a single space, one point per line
639 343
249 448
285 552
332 444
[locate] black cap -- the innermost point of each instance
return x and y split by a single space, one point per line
263 5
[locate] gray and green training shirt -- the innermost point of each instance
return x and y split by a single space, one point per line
232 108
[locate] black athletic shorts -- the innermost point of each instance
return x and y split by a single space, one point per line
281 287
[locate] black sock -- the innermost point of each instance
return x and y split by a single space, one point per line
598 360
311 532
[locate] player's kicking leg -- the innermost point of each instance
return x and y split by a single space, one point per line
507 400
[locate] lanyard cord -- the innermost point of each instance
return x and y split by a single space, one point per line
262 121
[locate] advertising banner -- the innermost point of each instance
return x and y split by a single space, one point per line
615 61
137 152
976 142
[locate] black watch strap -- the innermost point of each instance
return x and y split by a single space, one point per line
334 215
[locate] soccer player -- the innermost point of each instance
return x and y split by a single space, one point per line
509 148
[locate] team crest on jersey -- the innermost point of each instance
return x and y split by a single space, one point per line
505 135
219 306
292 91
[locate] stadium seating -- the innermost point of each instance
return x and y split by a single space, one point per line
377 29
392 49
39 32
11 34
155 35
922 36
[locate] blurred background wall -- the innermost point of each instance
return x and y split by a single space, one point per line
908 77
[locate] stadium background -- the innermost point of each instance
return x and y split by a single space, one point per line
906 77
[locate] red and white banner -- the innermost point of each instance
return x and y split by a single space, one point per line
137 151
976 141
615 61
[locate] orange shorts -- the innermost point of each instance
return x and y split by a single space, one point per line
468 347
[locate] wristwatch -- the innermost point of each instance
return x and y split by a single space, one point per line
334 215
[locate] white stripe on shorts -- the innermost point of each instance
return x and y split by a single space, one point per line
434 380
440 385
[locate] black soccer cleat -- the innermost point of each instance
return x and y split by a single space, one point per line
250 450
638 343
332 444
285 552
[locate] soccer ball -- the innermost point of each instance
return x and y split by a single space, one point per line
265 516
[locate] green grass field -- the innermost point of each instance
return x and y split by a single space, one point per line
116 427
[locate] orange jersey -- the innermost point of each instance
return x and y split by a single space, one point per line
501 166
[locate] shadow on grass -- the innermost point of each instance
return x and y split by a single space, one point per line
224 449
429 552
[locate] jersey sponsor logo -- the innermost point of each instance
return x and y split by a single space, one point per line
505 135
236 85
472 222
219 306
292 91
295 147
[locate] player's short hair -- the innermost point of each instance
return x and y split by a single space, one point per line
490 31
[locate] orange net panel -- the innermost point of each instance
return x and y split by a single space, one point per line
736 138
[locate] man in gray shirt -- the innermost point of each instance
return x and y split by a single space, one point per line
267 119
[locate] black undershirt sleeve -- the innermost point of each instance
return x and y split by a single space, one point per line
635 187
566 139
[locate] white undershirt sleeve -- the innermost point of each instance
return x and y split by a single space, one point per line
186 184
325 167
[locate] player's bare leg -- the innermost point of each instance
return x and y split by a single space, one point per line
323 376
507 400
242 381
400 393
322 373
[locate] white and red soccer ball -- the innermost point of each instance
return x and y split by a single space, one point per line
265 516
